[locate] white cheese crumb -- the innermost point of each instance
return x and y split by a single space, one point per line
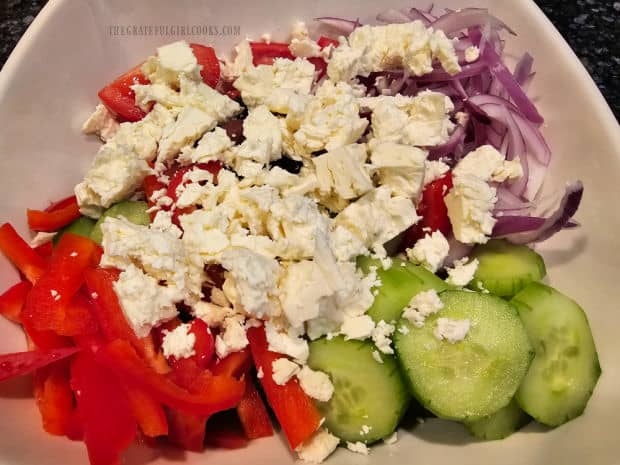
451 330
377 356
435 169
358 447
318 447
283 370
260 373
232 338
316 384
463 272
381 336
41 238
430 251
365 430
179 343
391 439
472 54
358 327
422 305
403 330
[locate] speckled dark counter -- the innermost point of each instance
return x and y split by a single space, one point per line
591 27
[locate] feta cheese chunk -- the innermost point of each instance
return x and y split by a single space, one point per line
190 125
422 305
381 336
179 343
488 164
358 447
430 251
435 169
472 53
242 62
452 331
400 167
256 280
316 384
171 61
287 342
101 123
357 327
145 303
304 47
210 147
463 272
263 139
283 370
232 337
318 447
342 171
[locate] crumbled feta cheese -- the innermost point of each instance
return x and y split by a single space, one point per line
179 343
430 251
472 53
452 331
381 336
403 330
283 370
463 272
199 95
232 337
263 139
365 430
259 373
316 384
422 305
304 48
171 61
286 342
488 164
211 147
212 314
358 447
392 439
400 167
42 238
435 169
377 356
343 172
190 125
318 447
358 327
101 123
145 303
242 62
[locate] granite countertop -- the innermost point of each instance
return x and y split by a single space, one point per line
589 26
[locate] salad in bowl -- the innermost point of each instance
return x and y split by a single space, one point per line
338 230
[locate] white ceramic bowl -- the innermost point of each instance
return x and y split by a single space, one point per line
49 86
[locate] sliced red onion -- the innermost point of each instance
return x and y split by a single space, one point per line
484 99
415 14
455 21
393 16
469 70
457 251
450 146
344 26
511 204
534 140
523 69
516 224
559 219
535 178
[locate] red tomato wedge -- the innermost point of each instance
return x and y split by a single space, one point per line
107 418
216 393
207 58
294 410
253 414
23 363
12 301
52 219
120 99
24 257
264 53
432 208
54 399
47 303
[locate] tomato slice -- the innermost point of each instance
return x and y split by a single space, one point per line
207 58
120 99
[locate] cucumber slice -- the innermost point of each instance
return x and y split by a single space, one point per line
134 211
399 284
472 378
83 226
562 376
369 397
504 268
500 424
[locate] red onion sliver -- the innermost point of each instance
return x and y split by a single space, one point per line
393 16
523 68
456 21
516 224
344 26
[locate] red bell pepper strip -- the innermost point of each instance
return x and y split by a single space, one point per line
53 220
120 99
186 430
216 393
326 41
109 424
45 250
253 413
12 301
30 263
236 364
45 308
207 58
54 399
294 410
23 363
148 412
79 317
319 65
153 354
264 53
204 346
224 431
432 208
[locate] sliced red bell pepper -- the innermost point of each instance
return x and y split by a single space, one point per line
120 99
216 393
207 58
148 412
187 430
326 41
153 354
12 301
109 424
45 250
30 263
264 53
236 364
54 219
320 65
204 346
294 410
23 363
224 431
253 413
54 399
45 308
433 211
79 317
